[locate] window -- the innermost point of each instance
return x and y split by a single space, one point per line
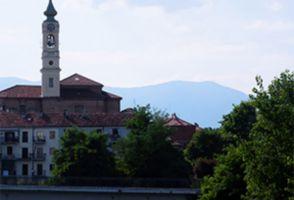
9 151
40 136
25 169
114 131
114 135
79 108
40 170
51 82
10 136
22 108
25 137
51 150
52 135
2 108
25 153
40 153
51 167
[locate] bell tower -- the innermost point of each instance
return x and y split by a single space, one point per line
50 55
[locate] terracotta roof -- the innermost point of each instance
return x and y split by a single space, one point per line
14 120
21 91
77 79
176 121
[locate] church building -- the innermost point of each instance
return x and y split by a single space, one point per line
34 118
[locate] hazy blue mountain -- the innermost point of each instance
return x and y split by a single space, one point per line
202 102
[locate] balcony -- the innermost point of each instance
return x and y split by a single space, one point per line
25 158
38 157
9 157
40 173
10 140
39 140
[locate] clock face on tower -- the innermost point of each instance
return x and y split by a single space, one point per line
51 41
50 27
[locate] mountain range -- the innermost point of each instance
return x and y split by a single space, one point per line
203 103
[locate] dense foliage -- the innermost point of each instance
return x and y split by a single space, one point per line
147 151
202 149
269 156
258 162
236 126
227 181
83 155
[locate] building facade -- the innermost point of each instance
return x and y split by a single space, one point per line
33 118
28 142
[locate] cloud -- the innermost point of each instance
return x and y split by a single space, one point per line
275 5
271 25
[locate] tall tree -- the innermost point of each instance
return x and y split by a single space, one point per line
227 181
261 157
269 156
147 150
83 155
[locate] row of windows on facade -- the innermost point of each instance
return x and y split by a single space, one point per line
11 136
25 170
25 152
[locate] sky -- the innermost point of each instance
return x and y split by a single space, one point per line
127 43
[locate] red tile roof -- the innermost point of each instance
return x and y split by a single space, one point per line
29 91
21 91
182 130
14 120
77 79
176 121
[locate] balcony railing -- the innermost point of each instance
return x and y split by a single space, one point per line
42 174
12 140
10 157
38 157
39 140
26 157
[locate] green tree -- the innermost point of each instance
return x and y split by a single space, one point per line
261 156
83 155
269 156
227 181
202 149
236 126
147 150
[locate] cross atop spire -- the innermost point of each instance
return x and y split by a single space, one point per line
50 12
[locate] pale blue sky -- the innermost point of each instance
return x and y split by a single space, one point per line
139 42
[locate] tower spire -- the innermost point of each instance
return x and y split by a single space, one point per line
50 12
